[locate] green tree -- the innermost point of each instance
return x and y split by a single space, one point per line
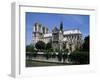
40 45
29 48
49 45
80 57
60 56
85 46
47 54
30 51
53 55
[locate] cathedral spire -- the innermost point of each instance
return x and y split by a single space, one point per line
61 26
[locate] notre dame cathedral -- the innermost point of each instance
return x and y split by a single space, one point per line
67 39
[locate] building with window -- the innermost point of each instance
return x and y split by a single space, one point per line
61 39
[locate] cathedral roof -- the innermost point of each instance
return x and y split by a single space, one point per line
75 31
67 32
55 29
48 35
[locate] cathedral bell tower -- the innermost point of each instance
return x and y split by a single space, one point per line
37 33
57 37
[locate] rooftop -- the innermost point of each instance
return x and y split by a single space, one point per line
48 35
67 32
74 31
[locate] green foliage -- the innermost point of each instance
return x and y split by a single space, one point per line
57 50
50 50
85 46
65 55
34 54
49 45
29 48
47 54
30 51
53 55
40 45
80 57
29 55
59 55
66 51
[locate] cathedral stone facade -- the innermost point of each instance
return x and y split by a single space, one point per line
61 39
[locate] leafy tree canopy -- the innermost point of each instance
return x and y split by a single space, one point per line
40 45
29 48
85 46
49 45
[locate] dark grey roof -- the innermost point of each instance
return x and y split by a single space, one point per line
55 29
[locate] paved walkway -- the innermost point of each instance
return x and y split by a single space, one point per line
52 60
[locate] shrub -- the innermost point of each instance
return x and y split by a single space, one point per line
29 48
80 57
48 45
47 54
53 55
34 54
59 55
29 55
65 56
40 45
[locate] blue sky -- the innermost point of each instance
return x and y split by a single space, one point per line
70 21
